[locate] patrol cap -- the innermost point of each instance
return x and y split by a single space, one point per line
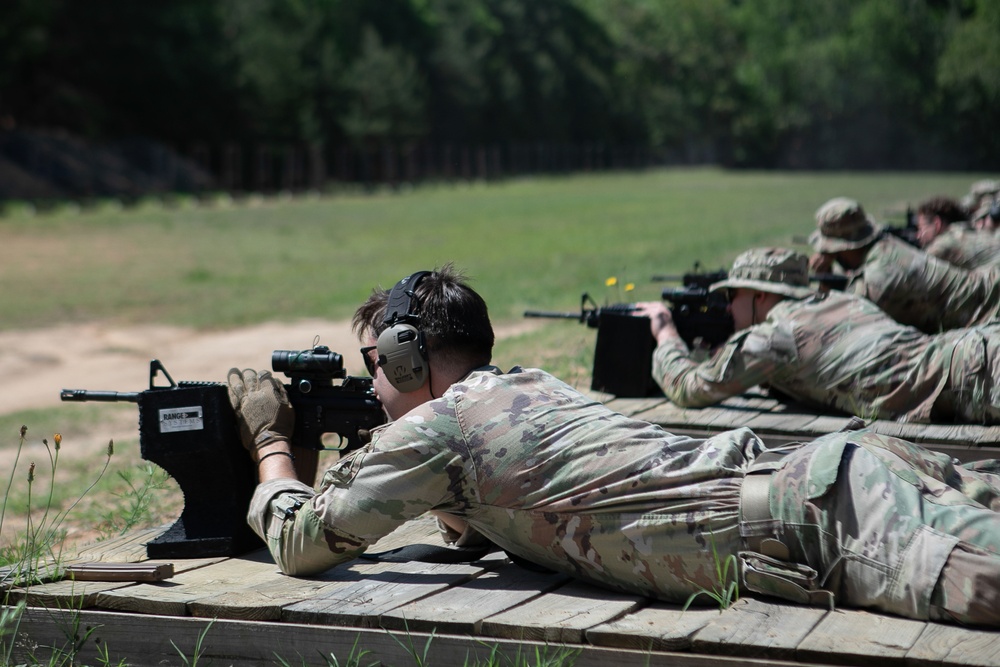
774 270
841 224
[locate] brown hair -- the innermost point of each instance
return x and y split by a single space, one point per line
453 317
945 208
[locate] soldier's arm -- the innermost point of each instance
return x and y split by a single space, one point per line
363 497
730 371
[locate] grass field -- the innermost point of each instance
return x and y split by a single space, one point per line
526 243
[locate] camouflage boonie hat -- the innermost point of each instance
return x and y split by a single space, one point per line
843 225
774 270
981 192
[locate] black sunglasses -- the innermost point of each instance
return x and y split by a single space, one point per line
370 364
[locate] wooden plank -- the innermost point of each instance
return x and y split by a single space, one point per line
780 423
264 598
952 645
150 641
362 602
873 638
633 406
462 609
251 586
562 615
658 627
128 548
70 594
184 588
757 629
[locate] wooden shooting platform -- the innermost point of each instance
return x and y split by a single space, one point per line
244 612
778 423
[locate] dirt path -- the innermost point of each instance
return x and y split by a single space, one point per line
37 364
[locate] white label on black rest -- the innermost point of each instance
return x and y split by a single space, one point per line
173 420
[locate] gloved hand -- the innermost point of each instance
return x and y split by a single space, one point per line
262 408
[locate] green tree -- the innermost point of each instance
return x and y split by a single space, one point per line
967 74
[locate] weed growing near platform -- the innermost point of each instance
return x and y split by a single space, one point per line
727 589
35 553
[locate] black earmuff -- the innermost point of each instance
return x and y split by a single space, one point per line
401 346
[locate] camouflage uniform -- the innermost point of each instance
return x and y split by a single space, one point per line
916 289
838 350
562 481
908 284
964 247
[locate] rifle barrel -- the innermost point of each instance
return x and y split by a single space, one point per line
553 315
103 396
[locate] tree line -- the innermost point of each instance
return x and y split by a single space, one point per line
898 84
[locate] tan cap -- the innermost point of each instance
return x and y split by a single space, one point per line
774 270
843 225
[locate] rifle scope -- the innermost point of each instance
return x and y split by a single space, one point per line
319 361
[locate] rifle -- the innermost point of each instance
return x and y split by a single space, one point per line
189 429
624 349
907 231
694 278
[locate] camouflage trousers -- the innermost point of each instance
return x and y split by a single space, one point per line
890 526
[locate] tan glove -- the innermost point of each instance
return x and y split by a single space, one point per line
262 408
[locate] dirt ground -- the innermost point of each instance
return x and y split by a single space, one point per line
37 364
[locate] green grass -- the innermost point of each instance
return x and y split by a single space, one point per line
535 243
526 243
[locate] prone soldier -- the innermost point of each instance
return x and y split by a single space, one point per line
831 350
905 282
944 232
562 481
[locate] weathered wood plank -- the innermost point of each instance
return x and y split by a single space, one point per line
174 596
70 594
949 645
264 598
362 602
757 629
658 627
151 641
252 587
861 638
128 548
462 609
562 615
633 406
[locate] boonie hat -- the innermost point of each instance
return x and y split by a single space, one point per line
843 225
774 270
979 193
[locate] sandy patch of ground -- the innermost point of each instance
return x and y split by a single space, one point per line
37 364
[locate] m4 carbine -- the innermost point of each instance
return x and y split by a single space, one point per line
623 352
189 429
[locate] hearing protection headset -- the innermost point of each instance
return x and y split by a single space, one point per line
402 349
